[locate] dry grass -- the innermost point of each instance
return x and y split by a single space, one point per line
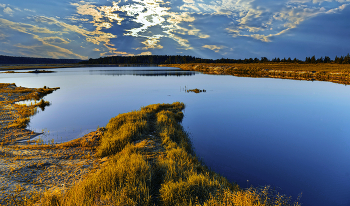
195 90
337 73
15 117
153 163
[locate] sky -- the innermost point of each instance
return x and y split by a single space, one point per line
234 29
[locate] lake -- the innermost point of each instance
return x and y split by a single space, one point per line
292 135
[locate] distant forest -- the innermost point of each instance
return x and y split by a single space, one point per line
165 59
32 60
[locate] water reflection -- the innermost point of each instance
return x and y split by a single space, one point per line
142 72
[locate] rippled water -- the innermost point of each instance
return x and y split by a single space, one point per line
292 135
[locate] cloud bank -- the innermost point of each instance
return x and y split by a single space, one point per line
137 27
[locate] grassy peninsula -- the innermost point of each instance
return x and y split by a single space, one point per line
149 160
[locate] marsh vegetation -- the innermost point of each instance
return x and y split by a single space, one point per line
337 73
15 117
196 90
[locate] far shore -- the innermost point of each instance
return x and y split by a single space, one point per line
330 72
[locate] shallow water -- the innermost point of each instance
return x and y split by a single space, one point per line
292 135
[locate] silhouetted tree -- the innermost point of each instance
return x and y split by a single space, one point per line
327 59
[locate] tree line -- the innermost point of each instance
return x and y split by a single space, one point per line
32 60
167 59
172 59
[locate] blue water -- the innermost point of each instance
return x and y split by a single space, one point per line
292 135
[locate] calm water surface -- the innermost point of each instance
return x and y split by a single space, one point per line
292 135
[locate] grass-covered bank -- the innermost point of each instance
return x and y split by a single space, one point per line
28 168
15 117
337 73
149 160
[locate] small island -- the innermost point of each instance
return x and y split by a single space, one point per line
196 90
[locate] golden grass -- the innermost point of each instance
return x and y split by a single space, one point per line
195 90
150 161
15 117
337 73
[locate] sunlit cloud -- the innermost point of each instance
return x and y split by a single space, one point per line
96 37
214 47
135 27
151 43
35 31
25 28
146 53
103 17
153 16
33 47
55 40
262 21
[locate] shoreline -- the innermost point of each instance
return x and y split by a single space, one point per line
329 72
336 73
29 168
15 117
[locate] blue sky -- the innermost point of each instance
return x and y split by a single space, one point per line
207 29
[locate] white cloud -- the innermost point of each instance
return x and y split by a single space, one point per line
29 10
262 20
146 53
8 11
214 47
153 16
51 44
